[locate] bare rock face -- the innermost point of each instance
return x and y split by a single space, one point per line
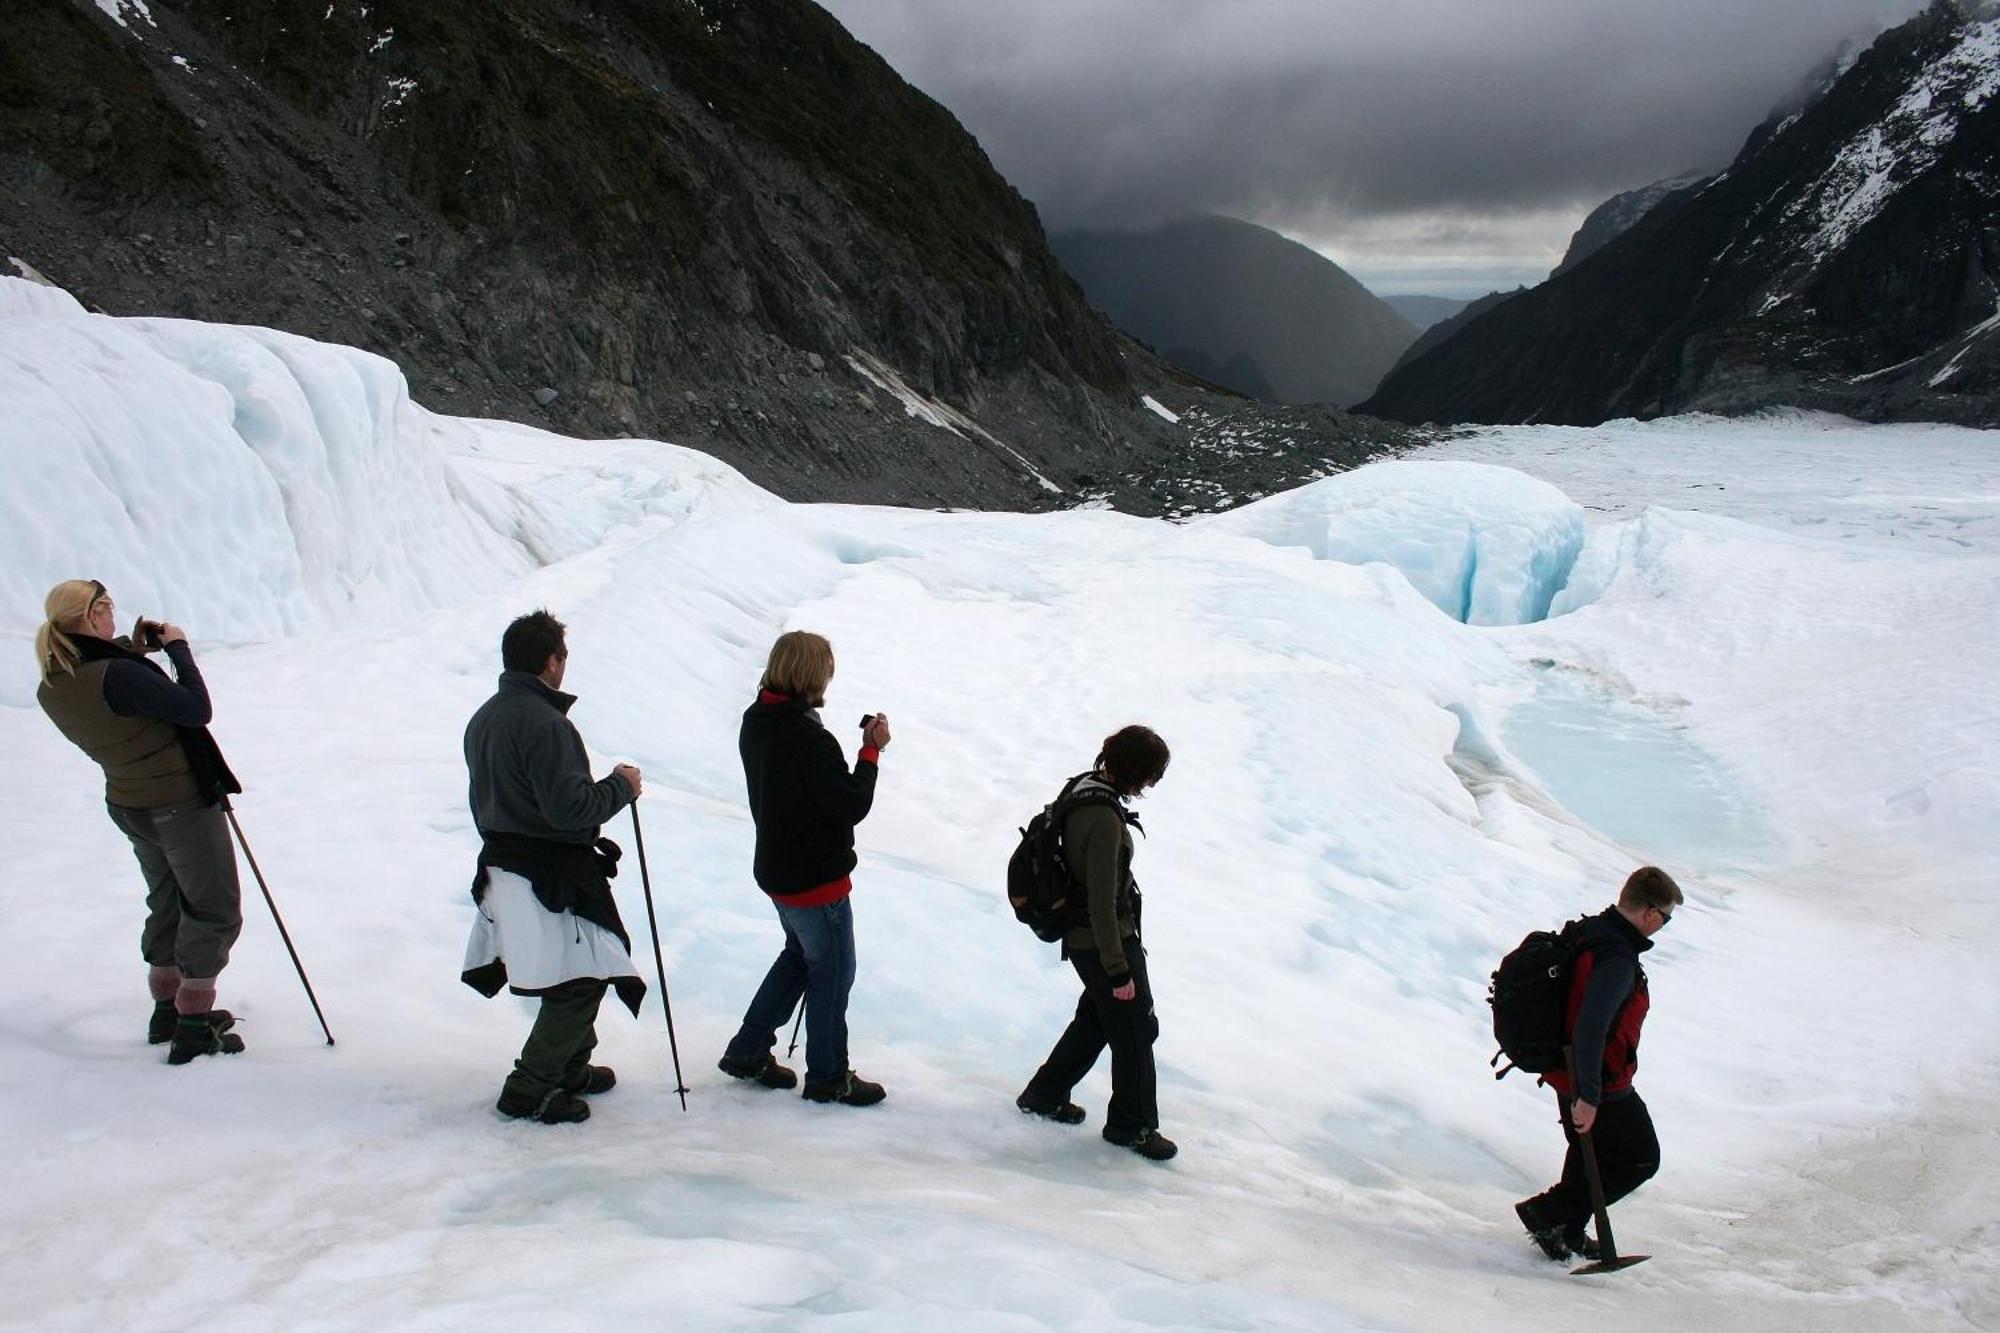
723 223
1846 261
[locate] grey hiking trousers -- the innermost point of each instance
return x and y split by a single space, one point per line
194 904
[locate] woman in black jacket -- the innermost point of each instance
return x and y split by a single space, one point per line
805 803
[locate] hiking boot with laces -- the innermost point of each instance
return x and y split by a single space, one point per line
848 1090
160 1027
1553 1241
769 1073
1148 1143
203 1034
1063 1113
591 1080
554 1107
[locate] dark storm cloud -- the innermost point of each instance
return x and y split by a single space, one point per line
1307 112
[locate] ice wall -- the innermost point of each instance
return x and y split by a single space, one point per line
243 479
253 484
1486 545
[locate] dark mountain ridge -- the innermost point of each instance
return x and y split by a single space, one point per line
1242 306
723 223
1846 261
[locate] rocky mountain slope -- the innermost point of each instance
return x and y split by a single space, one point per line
1242 306
1616 215
1445 328
718 222
1846 261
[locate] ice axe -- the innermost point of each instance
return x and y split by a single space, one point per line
1608 1259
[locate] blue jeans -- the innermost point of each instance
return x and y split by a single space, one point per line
817 963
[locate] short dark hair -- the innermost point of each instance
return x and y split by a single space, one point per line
1133 758
1650 886
531 641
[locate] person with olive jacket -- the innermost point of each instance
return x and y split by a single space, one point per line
1103 945
166 786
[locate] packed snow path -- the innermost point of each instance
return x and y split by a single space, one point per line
1349 836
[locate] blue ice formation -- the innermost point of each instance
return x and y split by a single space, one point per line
1486 545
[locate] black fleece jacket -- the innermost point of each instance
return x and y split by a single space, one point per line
803 799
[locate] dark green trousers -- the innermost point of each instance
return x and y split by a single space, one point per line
560 1043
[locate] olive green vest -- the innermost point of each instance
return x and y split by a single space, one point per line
142 757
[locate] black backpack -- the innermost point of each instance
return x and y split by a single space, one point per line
1529 993
1045 897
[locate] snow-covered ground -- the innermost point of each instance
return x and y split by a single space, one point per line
1769 668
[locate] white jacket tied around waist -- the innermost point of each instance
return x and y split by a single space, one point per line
540 948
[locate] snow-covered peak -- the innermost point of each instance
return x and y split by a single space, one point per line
1870 168
1867 170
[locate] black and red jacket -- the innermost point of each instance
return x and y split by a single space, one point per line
803 799
1606 1007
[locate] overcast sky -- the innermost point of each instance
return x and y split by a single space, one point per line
1426 145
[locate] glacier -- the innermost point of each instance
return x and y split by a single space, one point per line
1363 812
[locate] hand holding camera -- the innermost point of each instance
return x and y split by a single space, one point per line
875 730
153 635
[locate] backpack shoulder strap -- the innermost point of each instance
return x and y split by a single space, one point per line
1072 799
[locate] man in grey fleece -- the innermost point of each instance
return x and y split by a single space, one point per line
547 924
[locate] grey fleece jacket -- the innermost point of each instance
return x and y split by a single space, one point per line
529 772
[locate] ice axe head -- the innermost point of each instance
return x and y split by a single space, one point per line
1610 1265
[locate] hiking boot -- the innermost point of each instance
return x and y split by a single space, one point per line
848 1090
203 1034
1554 1241
160 1027
556 1107
769 1074
1148 1143
1581 1245
1063 1113
591 1080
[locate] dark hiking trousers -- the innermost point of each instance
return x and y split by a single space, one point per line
194 906
1128 1027
559 1044
1628 1153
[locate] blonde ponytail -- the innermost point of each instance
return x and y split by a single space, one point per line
67 606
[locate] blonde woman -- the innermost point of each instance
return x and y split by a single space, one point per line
805 803
166 785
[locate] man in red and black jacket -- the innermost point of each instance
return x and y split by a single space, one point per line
805 802
1606 1007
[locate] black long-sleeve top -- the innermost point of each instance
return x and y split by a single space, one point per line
803 798
131 690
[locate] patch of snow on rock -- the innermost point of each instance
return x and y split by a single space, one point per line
1874 165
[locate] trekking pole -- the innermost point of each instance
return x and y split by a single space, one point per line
283 934
659 959
793 1049
1608 1259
